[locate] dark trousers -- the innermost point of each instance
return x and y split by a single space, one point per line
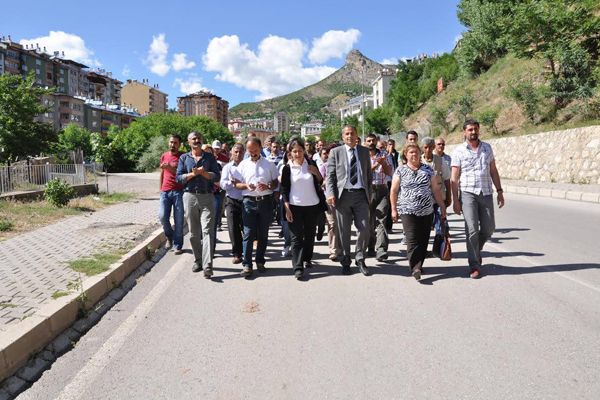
302 231
256 216
235 226
416 233
378 213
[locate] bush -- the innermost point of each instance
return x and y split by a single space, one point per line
464 105
149 161
5 225
58 192
439 118
488 119
527 97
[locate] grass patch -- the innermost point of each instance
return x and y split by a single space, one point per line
5 225
7 305
59 294
97 263
22 216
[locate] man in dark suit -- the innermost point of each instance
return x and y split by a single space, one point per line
349 184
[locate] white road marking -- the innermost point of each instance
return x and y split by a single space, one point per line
88 374
533 264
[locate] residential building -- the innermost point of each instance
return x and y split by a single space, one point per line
313 128
204 103
354 106
381 86
68 110
2 54
99 118
145 98
281 122
103 87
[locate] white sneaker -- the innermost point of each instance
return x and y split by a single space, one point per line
285 252
403 242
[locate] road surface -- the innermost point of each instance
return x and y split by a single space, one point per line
529 329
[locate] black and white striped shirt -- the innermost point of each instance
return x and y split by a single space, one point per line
415 190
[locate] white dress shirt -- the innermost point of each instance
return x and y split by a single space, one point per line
261 171
302 187
226 181
359 183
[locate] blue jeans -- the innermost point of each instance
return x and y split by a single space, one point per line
285 227
257 216
172 199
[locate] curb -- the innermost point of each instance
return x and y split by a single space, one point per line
586 197
22 342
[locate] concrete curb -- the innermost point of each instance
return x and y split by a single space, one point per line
586 197
81 190
23 341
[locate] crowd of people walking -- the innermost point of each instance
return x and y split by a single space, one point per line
310 190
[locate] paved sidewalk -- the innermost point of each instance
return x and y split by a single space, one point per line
33 265
568 191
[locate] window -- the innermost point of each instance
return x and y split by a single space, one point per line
37 71
38 62
64 116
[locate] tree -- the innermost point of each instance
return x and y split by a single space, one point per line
20 103
332 133
439 118
465 105
133 141
74 138
150 160
565 34
378 120
527 97
488 119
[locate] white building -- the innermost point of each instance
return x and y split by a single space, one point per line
354 105
381 86
281 122
311 129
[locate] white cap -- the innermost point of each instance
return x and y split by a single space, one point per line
216 144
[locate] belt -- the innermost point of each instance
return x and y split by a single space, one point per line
383 185
354 190
259 198
198 191
236 200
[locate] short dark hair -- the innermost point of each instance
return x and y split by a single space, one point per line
176 136
470 121
295 140
349 126
411 132
254 140
372 135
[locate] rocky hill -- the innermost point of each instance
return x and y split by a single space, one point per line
321 100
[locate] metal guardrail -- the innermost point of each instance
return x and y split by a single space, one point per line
24 177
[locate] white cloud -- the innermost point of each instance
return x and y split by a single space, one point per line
191 84
126 71
274 69
180 62
157 55
73 46
389 61
332 44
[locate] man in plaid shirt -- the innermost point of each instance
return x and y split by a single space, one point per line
473 172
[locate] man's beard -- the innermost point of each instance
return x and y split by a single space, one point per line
254 157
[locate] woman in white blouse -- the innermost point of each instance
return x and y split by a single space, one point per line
303 201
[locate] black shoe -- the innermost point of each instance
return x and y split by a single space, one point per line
416 274
280 234
299 273
371 253
208 272
382 257
308 264
197 267
261 267
246 271
346 270
320 234
363 268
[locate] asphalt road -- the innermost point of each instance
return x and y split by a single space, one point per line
529 329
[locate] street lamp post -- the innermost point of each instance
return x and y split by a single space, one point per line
362 102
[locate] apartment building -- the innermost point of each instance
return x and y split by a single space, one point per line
355 105
146 98
103 87
381 86
204 103
311 129
281 122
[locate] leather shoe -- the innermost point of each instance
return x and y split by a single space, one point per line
299 273
197 267
237 260
308 264
346 270
363 268
382 257
261 267
416 274
208 272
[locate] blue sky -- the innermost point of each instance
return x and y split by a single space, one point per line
240 50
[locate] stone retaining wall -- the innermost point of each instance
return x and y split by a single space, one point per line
570 156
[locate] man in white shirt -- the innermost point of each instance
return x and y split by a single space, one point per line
233 202
473 171
257 179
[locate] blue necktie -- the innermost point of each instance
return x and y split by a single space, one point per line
353 168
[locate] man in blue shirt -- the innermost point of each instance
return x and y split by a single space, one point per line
198 171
